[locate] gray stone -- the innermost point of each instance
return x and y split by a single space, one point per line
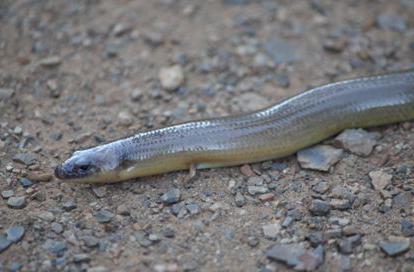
99 191
15 233
253 241
340 204
81 257
7 194
69 206
6 93
271 231
403 200
56 227
239 200
51 61
171 77
391 21
171 197
282 51
111 50
123 210
287 222
316 238
4 243
55 247
25 182
347 245
253 190
25 158
250 101
395 247
358 141
168 232
319 157
17 202
46 216
193 208
380 179
286 253
321 187
104 216
90 241
142 239
407 227
319 207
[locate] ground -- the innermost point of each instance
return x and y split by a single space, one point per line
75 74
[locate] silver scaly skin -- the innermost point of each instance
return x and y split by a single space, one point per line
271 133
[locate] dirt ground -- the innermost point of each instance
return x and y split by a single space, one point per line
75 74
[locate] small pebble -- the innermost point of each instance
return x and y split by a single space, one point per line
136 95
6 93
286 253
69 206
90 241
25 158
55 247
123 210
15 233
51 61
319 207
99 191
17 202
239 200
82 257
319 157
395 246
287 222
321 187
391 21
104 216
7 194
4 243
46 216
168 232
193 208
380 179
56 227
171 77
41 177
125 118
253 190
171 197
25 182
358 141
346 245
407 227
271 231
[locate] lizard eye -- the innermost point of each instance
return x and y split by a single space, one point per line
85 167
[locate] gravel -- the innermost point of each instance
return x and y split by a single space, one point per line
106 85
